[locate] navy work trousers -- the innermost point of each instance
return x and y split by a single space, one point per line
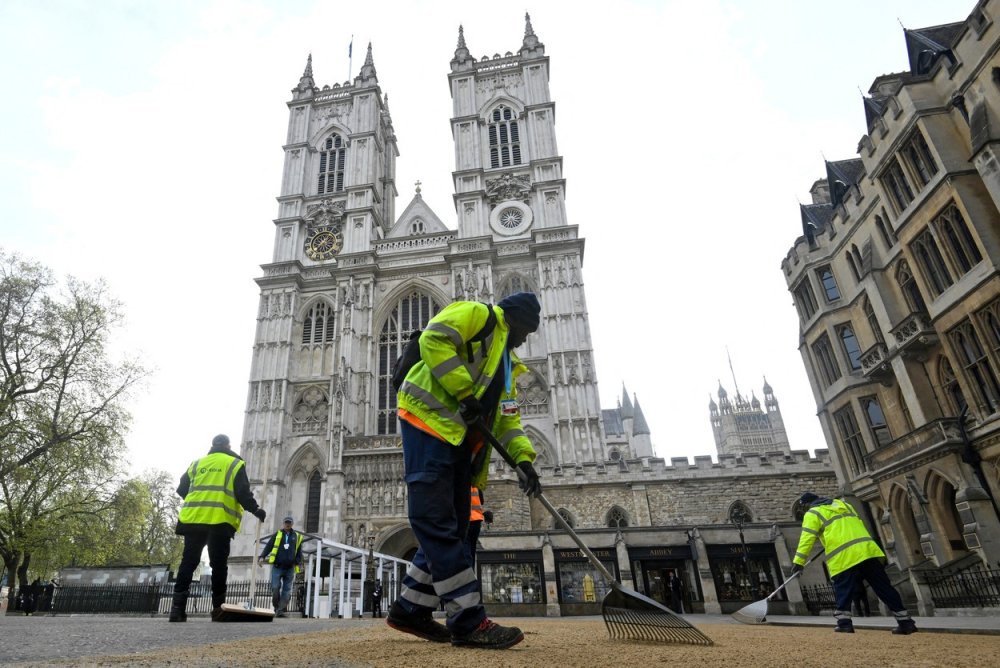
871 571
218 559
438 476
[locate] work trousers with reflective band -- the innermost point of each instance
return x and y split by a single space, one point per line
438 477
873 572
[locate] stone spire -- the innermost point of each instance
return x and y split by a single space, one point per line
462 58
627 411
367 72
639 427
530 44
306 82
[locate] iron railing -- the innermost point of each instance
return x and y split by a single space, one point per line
155 599
819 598
977 588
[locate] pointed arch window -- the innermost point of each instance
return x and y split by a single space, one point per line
853 266
850 438
567 517
949 382
958 242
505 140
332 158
979 372
512 284
873 321
617 518
910 289
411 312
876 421
928 255
739 513
318 325
851 347
312 502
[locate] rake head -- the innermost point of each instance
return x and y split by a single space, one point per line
755 613
631 616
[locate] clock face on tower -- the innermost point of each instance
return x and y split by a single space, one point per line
323 242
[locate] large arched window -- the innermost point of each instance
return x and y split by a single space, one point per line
411 312
317 327
617 518
910 289
949 382
505 142
332 157
312 502
851 347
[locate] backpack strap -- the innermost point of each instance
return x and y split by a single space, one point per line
487 329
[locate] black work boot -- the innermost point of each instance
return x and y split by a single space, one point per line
178 607
420 624
845 627
490 635
905 628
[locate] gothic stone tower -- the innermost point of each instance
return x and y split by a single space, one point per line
740 426
348 283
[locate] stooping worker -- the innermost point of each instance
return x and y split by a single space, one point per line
443 397
283 550
216 491
852 555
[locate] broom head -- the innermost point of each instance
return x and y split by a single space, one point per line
631 616
243 613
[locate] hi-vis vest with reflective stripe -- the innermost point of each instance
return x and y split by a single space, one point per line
844 537
277 543
435 385
210 498
475 506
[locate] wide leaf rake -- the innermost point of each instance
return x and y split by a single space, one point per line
628 614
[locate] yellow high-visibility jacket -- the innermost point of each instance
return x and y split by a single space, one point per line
211 498
844 537
443 377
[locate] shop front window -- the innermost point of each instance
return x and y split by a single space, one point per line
511 583
747 578
580 582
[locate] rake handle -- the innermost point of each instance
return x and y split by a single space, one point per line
793 576
591 557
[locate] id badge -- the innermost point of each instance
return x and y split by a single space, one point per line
508 407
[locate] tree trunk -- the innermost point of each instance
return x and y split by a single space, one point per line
22 571
10 562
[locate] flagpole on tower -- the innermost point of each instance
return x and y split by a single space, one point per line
350 58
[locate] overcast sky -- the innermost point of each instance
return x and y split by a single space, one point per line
141 143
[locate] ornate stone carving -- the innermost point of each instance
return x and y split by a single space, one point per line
508 187
326 212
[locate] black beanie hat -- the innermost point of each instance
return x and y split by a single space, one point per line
523 308
806 499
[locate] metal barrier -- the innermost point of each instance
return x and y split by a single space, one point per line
155 599
819 598
975 588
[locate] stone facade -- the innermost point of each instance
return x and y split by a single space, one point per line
347 284
896 284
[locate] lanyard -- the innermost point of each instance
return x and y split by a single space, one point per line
508 377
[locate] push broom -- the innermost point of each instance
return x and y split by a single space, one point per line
756 612
628 614
247 612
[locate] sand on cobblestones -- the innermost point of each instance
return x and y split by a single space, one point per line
556 644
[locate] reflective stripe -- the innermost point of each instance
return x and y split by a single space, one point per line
423 577
846 545
815 533
510 435
463 602
452 334
841 614
229 473
447 366
799 555
431 401
420 598
454 582
212 504
901 614
212 488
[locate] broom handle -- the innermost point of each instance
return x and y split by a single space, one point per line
256 541
591 557
794 575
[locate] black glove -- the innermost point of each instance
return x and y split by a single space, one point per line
796 569
488 516
260 514
471 409
529 482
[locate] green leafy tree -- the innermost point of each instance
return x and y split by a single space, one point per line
62 405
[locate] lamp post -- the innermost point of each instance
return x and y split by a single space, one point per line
370 574
740 518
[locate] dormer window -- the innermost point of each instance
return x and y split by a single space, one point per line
505 141
417 227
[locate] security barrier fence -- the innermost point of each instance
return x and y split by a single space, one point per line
151 599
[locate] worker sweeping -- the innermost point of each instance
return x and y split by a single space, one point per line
852 555
216 491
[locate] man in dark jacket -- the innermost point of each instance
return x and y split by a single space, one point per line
216 491
283 550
